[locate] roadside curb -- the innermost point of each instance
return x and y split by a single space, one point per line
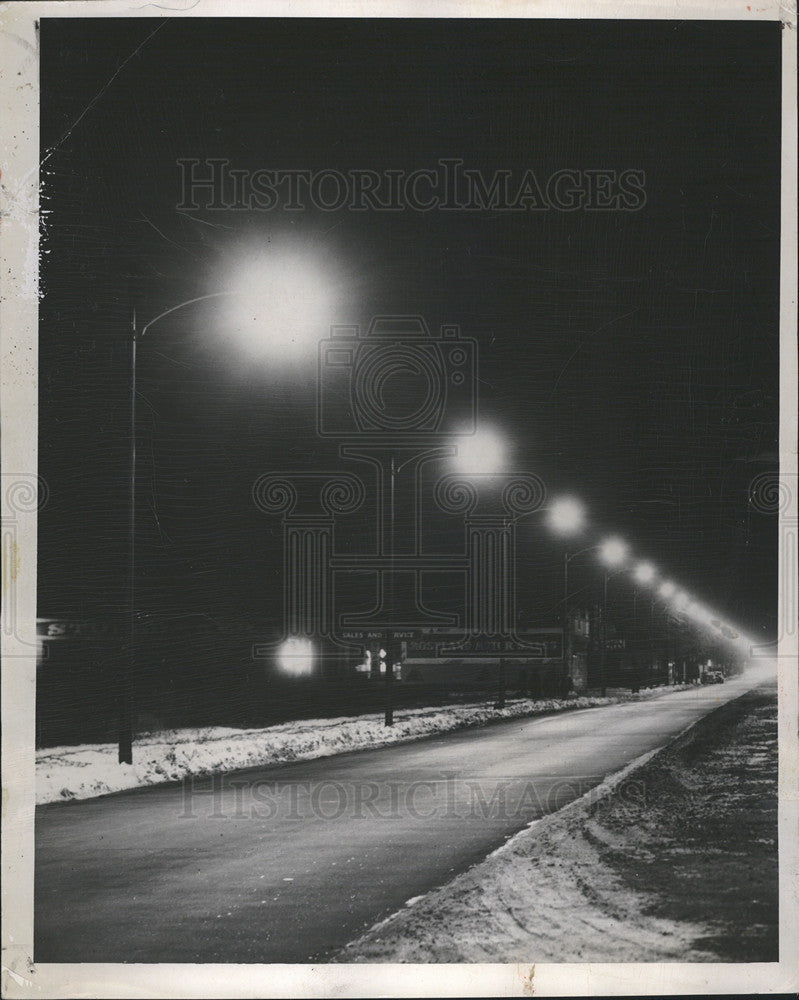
519 888
168 772
540 826
606 786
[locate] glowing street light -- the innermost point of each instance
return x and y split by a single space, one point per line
282 299
613 551
281 303
699 613
681 600
644 573
482 453
667 589
295 657
478 454
566 516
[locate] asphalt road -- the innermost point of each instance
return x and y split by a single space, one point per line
288 863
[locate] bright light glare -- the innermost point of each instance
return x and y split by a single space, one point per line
681 600
765 667
482 453
667 589
644 572
295 657
566 516
613 551
281 304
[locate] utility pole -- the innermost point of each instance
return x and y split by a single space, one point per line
651 642
126 688
603 661
389 712
389 646
500 703
565 616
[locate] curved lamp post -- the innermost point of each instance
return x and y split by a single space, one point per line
612 553
483 454
290 289
125 755
644 575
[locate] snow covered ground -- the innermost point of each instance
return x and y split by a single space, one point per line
673 859
82 772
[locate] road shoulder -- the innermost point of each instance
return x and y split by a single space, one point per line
70 773
674 859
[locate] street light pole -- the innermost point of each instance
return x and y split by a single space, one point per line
125 754
565 614
389 712
566 558
126 692
603 661
500 702
125 750
633 634
651 643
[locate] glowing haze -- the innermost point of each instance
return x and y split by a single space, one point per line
282 302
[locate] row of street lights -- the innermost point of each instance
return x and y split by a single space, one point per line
281 304
567 519
281 297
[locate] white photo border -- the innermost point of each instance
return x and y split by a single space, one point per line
19 161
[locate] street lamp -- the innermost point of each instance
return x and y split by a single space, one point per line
699 613
394 470
644 573
644 576
283 302
484 454
280 300
681 600
295 657
701 617
566 516
567 558
667 590
613 553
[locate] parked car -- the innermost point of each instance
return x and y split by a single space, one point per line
713 677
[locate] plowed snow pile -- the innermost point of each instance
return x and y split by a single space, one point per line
677 861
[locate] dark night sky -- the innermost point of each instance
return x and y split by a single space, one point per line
632 357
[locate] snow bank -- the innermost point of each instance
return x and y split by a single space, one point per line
83 772
586 883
